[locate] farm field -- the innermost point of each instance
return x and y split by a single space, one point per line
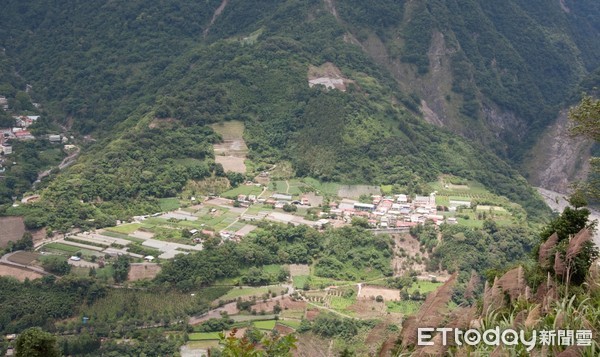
11 229
203 336
325 188
264 325
231 153
24 258
247 318
125 228
290 323
403 307
300 281
249 292
242 190
62 247
424 287
168 204
143 271
18 273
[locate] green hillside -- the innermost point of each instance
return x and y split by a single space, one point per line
112 73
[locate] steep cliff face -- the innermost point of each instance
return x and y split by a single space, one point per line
558 159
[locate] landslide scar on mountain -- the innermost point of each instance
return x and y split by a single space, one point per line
218 12
327 75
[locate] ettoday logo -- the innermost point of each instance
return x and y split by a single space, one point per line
507 337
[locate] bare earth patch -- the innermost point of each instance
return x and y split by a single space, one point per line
231 163
284 303
408 246
299 269
312 314
232 152
355 191
23 258
327 75
11 229
18 273
374 291
139 271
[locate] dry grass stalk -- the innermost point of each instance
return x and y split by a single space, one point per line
577 243
533 317
431 313
472 285
546 250
560 267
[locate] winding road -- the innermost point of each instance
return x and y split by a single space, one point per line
67 161
4 260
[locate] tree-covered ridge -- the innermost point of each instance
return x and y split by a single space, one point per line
115 71
525 57
339 253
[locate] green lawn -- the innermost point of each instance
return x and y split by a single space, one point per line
264 325
168 204
125 228
203 336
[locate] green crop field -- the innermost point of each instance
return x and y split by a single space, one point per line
325 188
203 336
168 204
424 287
247 292
300 280
403 307
290 323
204 344
114 234
125 228
242 190
341 303
264 325
62 247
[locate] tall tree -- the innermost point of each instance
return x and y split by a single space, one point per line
34 342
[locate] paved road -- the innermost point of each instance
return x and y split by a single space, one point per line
4 260
67 161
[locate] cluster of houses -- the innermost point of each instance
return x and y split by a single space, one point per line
398 211
20 132
385 212
278 200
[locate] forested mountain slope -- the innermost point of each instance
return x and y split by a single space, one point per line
485 70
